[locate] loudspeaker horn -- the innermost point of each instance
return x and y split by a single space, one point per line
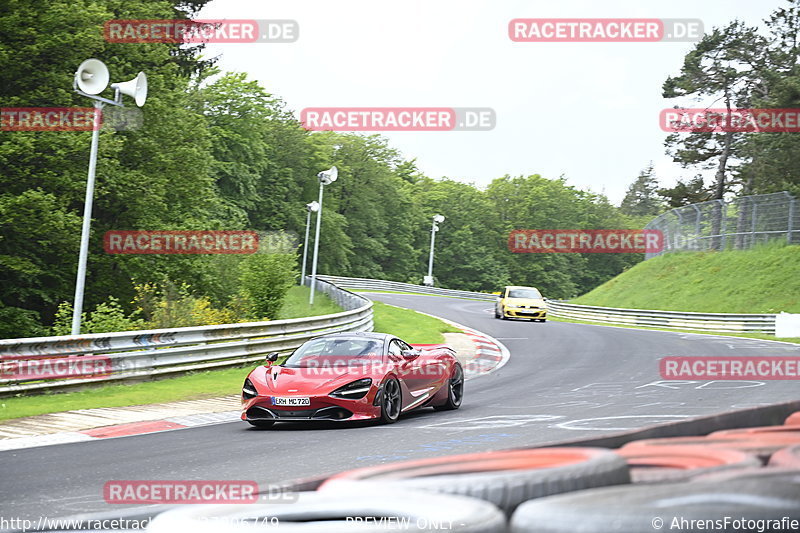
92 76
135 88
328 176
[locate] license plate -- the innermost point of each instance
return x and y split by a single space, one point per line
291 402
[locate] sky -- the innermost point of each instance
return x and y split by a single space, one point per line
584 111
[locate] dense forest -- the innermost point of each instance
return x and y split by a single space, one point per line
219 151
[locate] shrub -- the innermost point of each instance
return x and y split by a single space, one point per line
108 316
170 306
265 279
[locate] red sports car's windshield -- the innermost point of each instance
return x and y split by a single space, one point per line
344 349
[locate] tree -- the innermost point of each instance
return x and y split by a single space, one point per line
724 66
641 198
687 192
772 160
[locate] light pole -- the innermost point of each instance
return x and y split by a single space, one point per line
434 228
91 79
326 177
312 207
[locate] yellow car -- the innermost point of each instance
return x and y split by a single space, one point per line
521 302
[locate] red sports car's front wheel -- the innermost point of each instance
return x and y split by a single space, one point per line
391 401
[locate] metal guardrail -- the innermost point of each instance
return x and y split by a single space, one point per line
714 322
365 284
138 354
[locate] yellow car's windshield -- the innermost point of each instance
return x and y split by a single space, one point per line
524 293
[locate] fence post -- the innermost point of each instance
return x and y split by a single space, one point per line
678 232
789 223
696 225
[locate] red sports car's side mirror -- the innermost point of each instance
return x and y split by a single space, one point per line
410 354
271 358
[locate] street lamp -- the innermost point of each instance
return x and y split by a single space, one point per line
91 79
326 177
437 219
312 207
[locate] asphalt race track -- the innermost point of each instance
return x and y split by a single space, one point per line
563 381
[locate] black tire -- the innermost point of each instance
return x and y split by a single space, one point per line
455 391
337 513
504 478
496 314
503 314
638 508
681 463
391 401
261 424
761 473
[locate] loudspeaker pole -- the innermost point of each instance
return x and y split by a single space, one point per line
87 219
91 79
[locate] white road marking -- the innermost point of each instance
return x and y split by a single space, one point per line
492 422
577 425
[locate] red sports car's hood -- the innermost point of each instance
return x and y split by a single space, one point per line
308 380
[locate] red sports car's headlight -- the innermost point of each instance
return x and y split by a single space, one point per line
248 389
353 391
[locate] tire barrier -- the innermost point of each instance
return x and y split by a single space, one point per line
760 430
763 445
341 512
787 457
505 478
668 507
763 473
679 463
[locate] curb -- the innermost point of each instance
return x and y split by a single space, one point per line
119 430
491 354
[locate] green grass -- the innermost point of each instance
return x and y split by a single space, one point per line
765 279
406 324
209 384
409 325
295 304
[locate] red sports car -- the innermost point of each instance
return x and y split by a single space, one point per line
352 376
